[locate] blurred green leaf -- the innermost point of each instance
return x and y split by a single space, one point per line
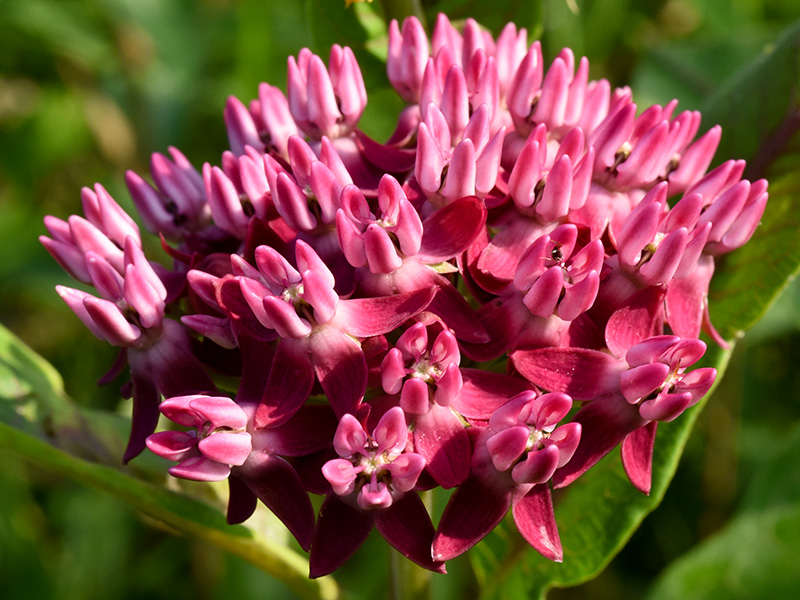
746 284
35 412
757 554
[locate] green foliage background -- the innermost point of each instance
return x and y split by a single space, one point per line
89 88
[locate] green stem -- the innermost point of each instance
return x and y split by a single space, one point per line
409 581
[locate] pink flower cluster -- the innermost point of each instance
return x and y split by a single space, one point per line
422 312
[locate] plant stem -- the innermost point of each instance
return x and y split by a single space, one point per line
409 581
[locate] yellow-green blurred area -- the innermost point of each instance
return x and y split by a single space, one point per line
90 88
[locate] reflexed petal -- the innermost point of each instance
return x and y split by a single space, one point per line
473 511
367 317
341 529
408 528
281 490
535 520
581 373
442 439
340 366
637 456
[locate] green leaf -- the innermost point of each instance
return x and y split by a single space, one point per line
756 555
37 421
746 284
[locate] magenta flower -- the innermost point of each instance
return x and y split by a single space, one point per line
372 483
424 371
217 440
514 459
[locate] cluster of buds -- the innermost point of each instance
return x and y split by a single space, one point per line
422 312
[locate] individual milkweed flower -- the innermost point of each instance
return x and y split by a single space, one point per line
556 281
545 187
326 102
217 438
372 484
514 458
104 231
176 206
423 368
220 444
649 383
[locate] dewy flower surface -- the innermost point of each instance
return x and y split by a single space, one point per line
492 300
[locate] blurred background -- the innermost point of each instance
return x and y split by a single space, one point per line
90 88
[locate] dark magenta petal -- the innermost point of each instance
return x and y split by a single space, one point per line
241 501
451 230
581 373
341 529
637 456
310 430
366 317
604 424
387 158
639 318
281 490
686 299
341 368
441 438
288 386
536 521
473 511
145 412
407 526
455 311
484 392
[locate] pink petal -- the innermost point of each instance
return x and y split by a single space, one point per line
367 317
535 520
637 456
442 439
408 529
473 511
581 373
340 366
341 529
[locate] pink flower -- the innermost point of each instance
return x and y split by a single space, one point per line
372 482
514 459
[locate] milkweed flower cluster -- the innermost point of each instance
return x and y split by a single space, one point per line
494 299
